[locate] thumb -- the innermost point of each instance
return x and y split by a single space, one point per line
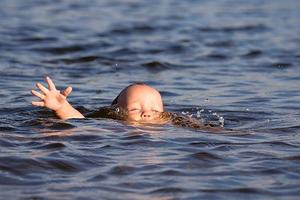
67 91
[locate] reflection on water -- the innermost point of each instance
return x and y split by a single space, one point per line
231 65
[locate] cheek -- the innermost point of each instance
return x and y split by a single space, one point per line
134 116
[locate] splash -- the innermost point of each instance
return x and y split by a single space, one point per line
207 117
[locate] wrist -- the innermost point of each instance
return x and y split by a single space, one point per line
66 111
63 108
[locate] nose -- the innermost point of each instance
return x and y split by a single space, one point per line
147 115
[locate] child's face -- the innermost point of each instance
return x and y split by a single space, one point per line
143 103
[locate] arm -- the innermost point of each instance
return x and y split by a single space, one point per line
52 98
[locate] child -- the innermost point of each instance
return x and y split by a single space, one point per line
141 102
138 103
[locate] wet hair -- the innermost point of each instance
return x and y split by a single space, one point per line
115 101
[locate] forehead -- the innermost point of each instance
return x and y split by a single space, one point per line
140 88
143 94
139 91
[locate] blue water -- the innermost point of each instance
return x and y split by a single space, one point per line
232 60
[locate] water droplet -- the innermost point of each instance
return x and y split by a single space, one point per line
221 120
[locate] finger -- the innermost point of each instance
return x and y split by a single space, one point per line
38 103
50 83
37 94
42 88
67 91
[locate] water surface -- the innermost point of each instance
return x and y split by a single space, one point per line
210 59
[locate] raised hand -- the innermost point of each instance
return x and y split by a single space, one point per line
55 100
51 97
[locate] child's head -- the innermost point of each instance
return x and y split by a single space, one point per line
143 103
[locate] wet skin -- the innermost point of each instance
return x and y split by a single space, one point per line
143 104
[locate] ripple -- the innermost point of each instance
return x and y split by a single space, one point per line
237 190
217 56
155 65
229 29
62 165
253 54
241 66
37 39
172 172
140 142
7 128
136 29
52 146
6 143
7 180
124 52
205 156
97 178
20 166
220 44
172 190
85 137
51 124
86 59
122 170
296 158
281 65
62 50
168 94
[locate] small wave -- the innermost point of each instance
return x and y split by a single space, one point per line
6 143
105 60
216 57
85 59
220 44
99 177
156 65
172 172
21 166
56 145
62 50
295 158
124 51
172 190
281 65
48 123
62 165
7 127
237 190
205 156
253 54
85 137
122 170
37 39
9 180
136 29
229 29
168 94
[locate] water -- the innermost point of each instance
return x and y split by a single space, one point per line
233 60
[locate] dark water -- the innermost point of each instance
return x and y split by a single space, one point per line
239 60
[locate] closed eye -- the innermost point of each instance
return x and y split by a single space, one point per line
155 111
134 109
